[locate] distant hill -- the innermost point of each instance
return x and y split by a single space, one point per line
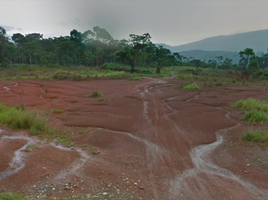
257 40
211 55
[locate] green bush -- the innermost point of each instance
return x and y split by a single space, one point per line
256 117
32 120
250 104
257 136
192 86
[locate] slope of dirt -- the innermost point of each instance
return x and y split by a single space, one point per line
143 140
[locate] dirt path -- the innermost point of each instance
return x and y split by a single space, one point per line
153 142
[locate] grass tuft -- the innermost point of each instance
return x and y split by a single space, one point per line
255 136
95 93
192 86
34 121
256 117
10 196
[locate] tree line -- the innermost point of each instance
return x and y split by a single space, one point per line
97 47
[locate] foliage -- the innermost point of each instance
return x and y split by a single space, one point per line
95 93
255 111
256 117
10 196
251 104
32 120
255 136
192 86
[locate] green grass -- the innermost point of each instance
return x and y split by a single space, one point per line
255 111
34 121
95 93
10 196
256 117
255 136
192 86
137 78
251 104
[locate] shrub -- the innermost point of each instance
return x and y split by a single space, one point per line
257 136
250 104
32 120
192 86
255 116
95 93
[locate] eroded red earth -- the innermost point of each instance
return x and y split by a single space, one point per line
145 140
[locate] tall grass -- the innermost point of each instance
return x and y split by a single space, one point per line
255 111
251 104
34 121
192 86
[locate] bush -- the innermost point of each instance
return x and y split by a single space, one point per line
257 136
251 104
95 93
32 120
192 86
255 117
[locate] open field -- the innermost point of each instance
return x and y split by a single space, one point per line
143 139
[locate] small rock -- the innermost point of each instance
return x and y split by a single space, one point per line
141 188
104 193
88 195
135 184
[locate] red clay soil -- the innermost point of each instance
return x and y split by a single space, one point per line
143 140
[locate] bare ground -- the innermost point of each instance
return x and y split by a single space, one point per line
146 140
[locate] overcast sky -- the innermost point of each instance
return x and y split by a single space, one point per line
173 22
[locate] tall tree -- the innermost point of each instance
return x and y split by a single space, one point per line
245 57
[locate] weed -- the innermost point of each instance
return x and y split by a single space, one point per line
136 78
10 196
251 104
256 117
255 136
101 99
94 151
95 93
32 120
133 105
30 147
46 90
192 86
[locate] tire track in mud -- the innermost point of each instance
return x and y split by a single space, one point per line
200 158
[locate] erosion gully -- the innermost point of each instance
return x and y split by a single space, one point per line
188 170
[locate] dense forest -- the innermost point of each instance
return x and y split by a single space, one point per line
97 47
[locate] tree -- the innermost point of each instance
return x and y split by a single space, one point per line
245 58
131 53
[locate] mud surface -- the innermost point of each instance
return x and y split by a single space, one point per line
143 140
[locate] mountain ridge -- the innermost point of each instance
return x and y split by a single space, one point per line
257 40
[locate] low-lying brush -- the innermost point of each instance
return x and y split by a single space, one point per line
251 104
192 86
95 93
10 196
256 117
34 121
256 136
255 111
